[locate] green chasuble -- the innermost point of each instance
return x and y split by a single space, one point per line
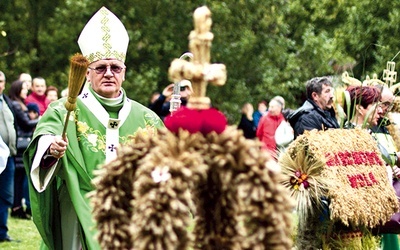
94 131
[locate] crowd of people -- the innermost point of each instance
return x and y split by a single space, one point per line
21 109
60 169
267 124
367 108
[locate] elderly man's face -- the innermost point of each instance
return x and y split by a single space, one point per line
275 108
106 77
386 101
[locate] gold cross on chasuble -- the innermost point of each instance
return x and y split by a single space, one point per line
113 123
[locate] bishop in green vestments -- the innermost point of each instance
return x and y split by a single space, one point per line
61 171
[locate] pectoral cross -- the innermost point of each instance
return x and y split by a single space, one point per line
199 70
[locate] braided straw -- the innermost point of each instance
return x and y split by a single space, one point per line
163 208
111 200
253 210
345 166
215 192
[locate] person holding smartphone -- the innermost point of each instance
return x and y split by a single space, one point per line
161 106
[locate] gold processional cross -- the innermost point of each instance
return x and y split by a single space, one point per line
199 70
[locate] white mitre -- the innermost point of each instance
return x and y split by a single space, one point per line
104 37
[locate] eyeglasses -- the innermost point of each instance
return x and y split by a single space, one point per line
386 105
103 68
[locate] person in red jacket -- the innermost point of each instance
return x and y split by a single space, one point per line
38 95
268 125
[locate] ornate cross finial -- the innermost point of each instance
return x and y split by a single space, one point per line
199 71
389 74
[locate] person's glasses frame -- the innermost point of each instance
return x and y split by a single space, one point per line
386 105
103 68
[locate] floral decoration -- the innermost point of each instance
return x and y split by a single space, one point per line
299 181
160 174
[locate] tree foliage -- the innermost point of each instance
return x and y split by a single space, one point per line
269 47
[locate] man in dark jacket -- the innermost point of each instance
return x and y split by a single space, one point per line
317 111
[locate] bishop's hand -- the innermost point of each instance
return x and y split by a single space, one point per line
58 147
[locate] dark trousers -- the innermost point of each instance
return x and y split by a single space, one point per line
20 188
6 195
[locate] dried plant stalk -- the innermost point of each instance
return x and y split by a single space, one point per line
77 73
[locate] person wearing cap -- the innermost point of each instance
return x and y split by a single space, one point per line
162 104
33 111
61 170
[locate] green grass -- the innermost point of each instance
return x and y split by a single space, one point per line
24 231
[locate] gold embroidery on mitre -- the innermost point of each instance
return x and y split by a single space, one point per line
104 37
107 46
108 54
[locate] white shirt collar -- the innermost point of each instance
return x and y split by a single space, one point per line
111 101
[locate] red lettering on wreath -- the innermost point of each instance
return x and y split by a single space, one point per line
362 180
372 178
346 158
353 181
366 179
